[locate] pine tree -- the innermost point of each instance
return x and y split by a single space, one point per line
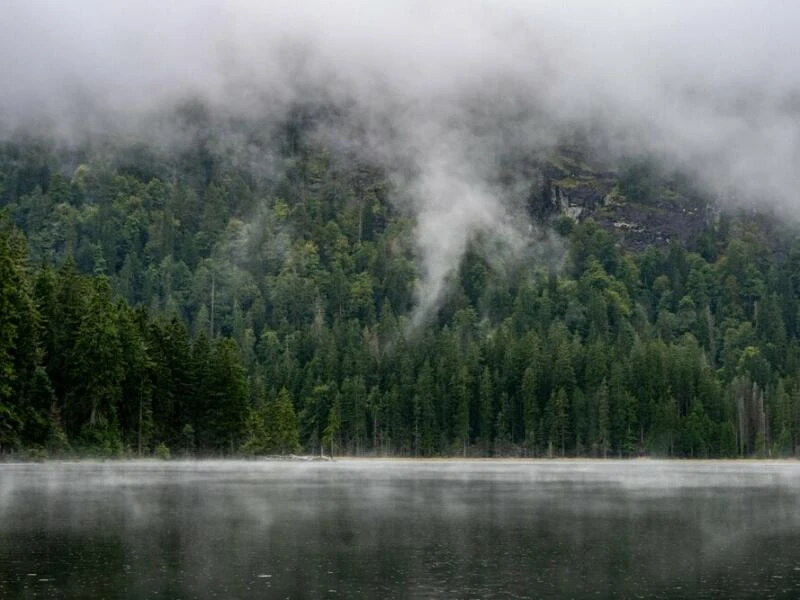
486 408
282 424
98 369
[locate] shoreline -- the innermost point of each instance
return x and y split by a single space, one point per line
316 459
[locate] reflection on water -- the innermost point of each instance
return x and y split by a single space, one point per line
400 529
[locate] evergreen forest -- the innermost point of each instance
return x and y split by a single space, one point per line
190 303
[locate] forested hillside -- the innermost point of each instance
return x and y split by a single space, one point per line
199 302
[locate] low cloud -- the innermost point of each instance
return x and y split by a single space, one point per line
441 90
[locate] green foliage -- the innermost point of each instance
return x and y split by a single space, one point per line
186 302
271 427
162 451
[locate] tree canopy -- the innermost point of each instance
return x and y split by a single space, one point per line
197 305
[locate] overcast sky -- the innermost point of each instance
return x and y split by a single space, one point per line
582 55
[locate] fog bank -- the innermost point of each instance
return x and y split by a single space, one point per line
440 92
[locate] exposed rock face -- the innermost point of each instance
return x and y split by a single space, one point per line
638 215
640 226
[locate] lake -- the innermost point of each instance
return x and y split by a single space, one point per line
400 529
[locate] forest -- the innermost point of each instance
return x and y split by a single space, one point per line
186 303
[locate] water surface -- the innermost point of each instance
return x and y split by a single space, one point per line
400 529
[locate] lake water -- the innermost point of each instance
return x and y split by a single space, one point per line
400 529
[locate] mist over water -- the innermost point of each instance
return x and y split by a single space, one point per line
400 529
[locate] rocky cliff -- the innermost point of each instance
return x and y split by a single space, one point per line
638 203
